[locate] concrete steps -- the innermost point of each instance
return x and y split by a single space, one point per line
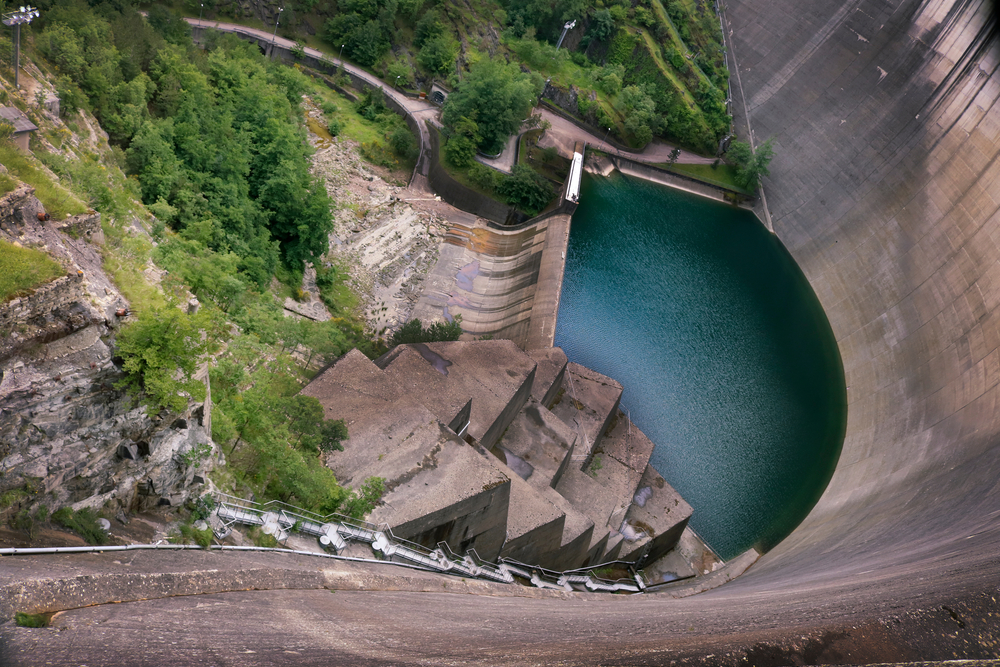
587 402
548 374
655 520
537 445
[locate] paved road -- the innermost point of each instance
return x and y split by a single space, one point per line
419 109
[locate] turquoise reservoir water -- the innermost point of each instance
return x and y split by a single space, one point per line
727 359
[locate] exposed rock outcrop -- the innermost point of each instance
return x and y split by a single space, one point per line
67 435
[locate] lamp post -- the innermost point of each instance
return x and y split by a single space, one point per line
341 56
15 19
566 28
274 35
201 11
605 138
396 84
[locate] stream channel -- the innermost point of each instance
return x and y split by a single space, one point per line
728 361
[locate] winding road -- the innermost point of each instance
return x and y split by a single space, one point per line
563 134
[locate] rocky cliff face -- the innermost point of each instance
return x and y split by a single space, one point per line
67 436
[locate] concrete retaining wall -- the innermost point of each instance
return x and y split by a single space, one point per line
460 196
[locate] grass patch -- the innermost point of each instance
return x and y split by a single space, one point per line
82 522
58 201
23 269
7 184
373 136
26 620
125 257
724 175
191 535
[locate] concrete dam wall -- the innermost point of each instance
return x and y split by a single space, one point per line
885 189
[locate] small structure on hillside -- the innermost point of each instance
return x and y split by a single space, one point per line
22 126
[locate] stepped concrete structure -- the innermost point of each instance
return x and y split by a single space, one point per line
513 487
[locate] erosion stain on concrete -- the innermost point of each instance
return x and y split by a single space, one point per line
439 363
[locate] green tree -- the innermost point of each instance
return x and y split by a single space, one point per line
498 96
526 189
159 346
360 503
438 55
414 332
367 44
602 25
461 147
751 165
428 27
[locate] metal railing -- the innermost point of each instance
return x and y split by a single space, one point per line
335 531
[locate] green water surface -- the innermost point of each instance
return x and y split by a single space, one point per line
727 359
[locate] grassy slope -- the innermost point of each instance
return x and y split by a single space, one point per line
58 201
23 269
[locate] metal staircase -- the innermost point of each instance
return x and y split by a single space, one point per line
335 532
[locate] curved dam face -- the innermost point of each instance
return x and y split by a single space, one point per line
885 188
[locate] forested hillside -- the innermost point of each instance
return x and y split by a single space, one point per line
211 142
644 68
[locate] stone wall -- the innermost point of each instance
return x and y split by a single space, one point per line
49 312
86 226
462 197
66 432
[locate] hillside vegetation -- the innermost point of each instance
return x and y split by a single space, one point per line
645 68
213 143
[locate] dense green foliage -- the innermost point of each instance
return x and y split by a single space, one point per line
275 435
497 96
415 332
364 27
751 165
526 189
157 347
23 269
83 522
215 136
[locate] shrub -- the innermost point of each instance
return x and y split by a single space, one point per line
83 522
526 189
360 503
159 346
414 332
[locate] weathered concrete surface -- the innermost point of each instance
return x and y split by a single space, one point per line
548 374
545 307
486 275
495 375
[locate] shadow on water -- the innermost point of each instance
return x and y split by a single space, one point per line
728 361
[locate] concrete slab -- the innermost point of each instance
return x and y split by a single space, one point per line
625 443
496 375
388 431
655 520
604 493
453 495
534 525
587 401
549 373
537 445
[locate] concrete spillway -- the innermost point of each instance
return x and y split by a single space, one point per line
886 190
